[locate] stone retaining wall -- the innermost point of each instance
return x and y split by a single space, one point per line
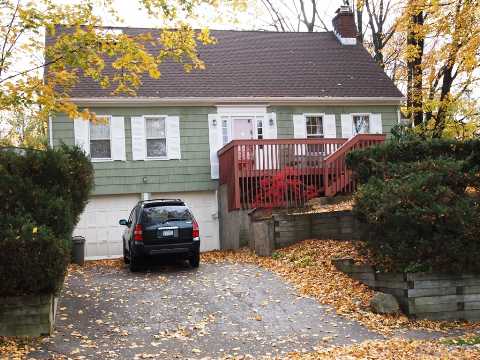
433 296
32 315
291 228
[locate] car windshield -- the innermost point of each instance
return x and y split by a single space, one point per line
159 214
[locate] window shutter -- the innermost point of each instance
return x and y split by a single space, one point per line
117 127
299 127
329 126
81 129
270 131
376 124
215 141
138 138
172 126
347 126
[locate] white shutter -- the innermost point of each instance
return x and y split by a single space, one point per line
299 127
270 131
329 126
138 138
81 129
117 127
347 126
173 137
215 141
376 124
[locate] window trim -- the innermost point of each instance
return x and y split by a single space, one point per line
305 115
352 115
149 158
111 140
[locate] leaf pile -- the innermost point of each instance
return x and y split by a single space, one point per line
307 265
15 348
398 349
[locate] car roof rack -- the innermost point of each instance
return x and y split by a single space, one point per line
163 200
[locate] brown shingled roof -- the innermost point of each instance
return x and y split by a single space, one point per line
265 64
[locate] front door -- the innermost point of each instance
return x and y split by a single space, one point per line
242 128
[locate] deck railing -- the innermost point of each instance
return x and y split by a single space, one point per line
286 172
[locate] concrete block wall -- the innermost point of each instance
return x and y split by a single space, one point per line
30 315
434 296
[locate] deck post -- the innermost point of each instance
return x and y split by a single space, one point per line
236 178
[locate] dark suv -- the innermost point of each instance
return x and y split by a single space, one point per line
161 226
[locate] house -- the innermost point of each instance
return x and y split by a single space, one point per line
305 92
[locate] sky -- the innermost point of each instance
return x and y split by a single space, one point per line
255 18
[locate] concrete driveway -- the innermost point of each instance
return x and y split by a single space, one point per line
218 310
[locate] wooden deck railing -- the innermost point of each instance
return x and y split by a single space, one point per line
286 172
336 176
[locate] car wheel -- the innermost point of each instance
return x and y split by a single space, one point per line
126 258
134 263
195 259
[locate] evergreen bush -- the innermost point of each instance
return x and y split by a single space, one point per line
419 202
43 194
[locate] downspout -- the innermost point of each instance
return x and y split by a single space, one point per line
50 132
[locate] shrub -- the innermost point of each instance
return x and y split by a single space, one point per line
421 218
419 202
284 188
33 260
52 186
379 160
45 190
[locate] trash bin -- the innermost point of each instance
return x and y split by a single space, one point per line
78 250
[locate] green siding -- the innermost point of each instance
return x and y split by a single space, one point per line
192 172
285 116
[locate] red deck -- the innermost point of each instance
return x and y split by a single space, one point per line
287 172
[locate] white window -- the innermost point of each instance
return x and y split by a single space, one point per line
314 126
156 138
100 139
361 124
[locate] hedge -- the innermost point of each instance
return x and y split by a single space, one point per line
380 160
44 193
419 203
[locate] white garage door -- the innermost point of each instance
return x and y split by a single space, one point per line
204 206
99 224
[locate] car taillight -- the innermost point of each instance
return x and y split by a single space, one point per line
138 233
195 229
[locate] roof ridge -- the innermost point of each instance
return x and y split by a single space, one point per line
217 30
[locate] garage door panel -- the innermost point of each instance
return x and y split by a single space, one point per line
99 224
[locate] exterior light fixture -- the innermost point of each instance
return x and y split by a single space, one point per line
270 122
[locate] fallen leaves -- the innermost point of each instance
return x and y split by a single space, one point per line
307 265
16 348
398 349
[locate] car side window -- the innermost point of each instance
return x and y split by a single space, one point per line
131 218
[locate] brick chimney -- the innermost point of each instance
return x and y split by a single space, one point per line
344 25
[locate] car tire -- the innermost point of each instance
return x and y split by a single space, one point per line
126 258
134 263
195 259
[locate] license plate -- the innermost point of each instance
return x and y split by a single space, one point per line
167 233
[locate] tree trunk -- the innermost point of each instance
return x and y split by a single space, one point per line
360 23
414 65
441 117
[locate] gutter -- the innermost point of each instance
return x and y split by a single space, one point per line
214 101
